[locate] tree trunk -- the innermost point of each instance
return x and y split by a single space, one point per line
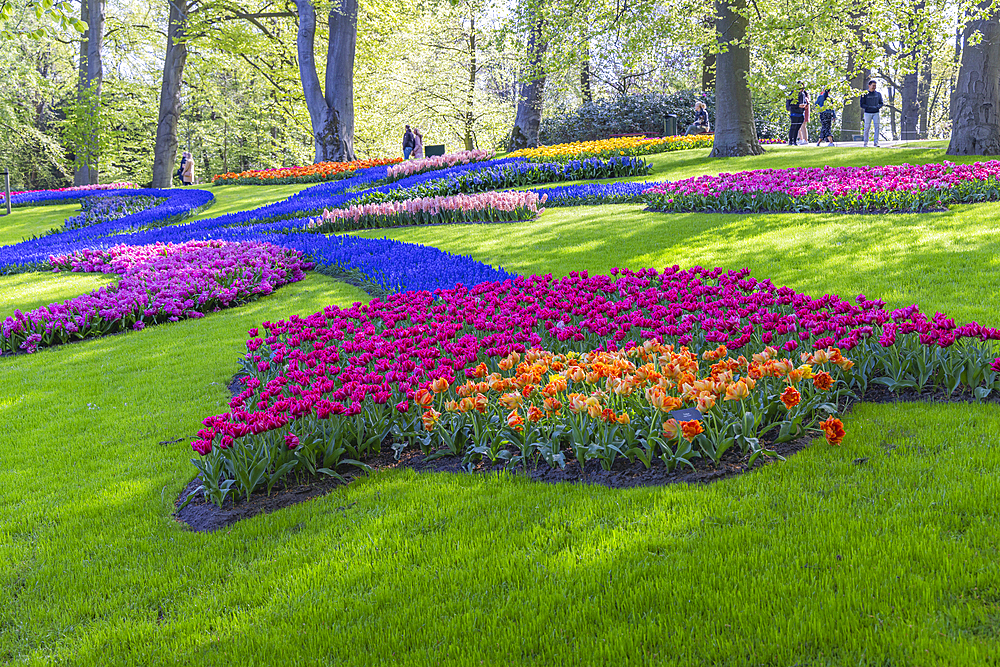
470 99
92 77
708 60
850 116
924 92
165 153
530 94
82 176
735 134
585 90
909 114
975 122
338 138
909 93
331 115
893 111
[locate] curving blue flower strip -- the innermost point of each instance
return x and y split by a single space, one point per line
29 254
392 265
594 194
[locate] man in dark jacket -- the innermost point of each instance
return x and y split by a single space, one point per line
408 143
796 116
871 104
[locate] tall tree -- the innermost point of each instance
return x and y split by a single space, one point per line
735 134
976 115
531 89
708 57
332 113
165 152
89 94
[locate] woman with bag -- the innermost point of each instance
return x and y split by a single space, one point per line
418 143
187 169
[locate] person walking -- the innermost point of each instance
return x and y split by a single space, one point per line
826 118
187 170
418 144
804 102
700 124
408 143
180 170
795 116
871 104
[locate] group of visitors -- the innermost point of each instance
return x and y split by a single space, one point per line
413 143
798 113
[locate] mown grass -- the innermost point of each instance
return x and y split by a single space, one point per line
23 223
881 552
27 291
235 198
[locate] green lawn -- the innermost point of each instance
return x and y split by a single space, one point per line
23 223
881 552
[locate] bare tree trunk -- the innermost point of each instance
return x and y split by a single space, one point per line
470 100
850 117
909 114
975 121
92 75
530 94
708 59
585 90
338 135
165 153
735 134
924 92
909 93
82 176
893 111
332 114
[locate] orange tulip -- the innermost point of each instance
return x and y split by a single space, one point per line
823 381
691 429
430 418
440 385
535 414
423 398
791 397
670 429
834 430
514 421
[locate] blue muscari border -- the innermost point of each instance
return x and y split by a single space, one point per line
392 265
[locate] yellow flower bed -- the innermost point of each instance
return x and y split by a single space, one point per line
606 148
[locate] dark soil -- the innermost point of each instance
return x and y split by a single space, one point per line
203 516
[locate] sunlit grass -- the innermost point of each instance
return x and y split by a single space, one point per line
881 552
27 291
23 223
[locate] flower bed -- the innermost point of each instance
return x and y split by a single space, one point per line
596 194
500 176
330 388
313 173
454 209
60 195
159 283
98 209
845 189
33 254
411 167
606 148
